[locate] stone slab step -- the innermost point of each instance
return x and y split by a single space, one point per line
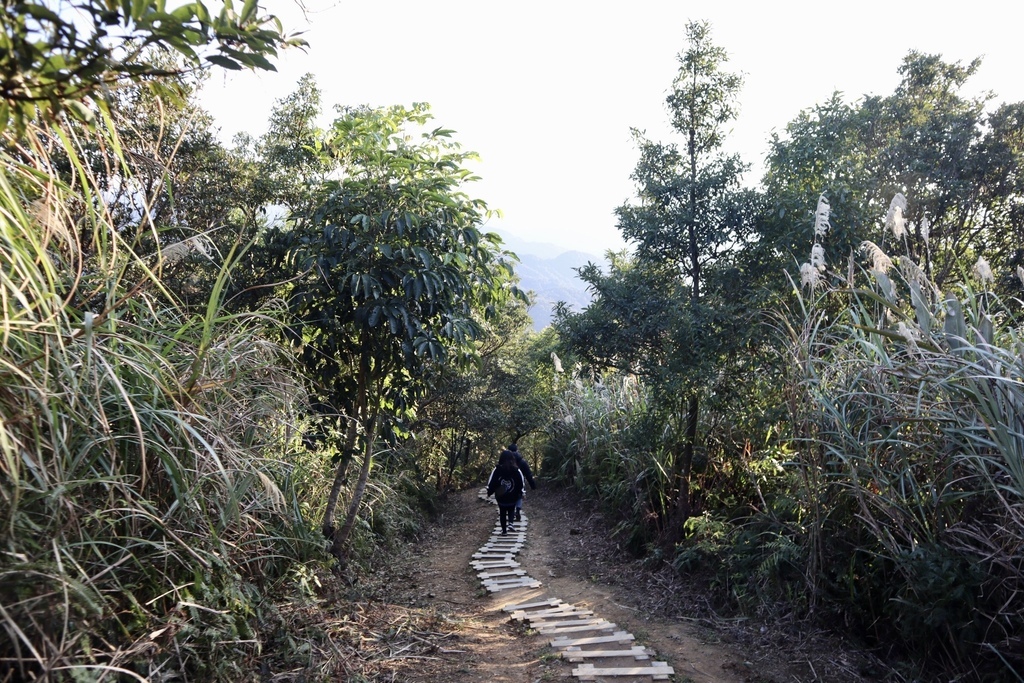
550 602
602 625
577 654
524 582
617 637
496 575
659 671
561 610
544 624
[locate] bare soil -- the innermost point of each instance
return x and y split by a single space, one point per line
424 616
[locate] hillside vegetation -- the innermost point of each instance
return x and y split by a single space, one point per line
231 374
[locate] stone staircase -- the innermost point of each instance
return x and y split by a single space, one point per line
602 651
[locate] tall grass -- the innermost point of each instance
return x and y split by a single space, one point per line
144 498
892 499
912 450
604 441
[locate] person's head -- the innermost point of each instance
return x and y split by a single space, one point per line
507 459
514 448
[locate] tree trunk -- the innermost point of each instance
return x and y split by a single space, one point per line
339 548
682 507
686 465
339 478
359 413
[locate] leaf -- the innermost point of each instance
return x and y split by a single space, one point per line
81 112
955 325
423 255
923 312
138 9
248 12
224 62
41 13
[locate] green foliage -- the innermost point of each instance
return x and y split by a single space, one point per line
678 312
129 488
54 59
864 465
392 272
909 459
470 413
168 188
958 165
288 167
603 441
392 257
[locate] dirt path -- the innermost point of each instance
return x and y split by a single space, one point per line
577 561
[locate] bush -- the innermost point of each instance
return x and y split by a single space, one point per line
145 500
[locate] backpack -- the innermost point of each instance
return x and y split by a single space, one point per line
507 486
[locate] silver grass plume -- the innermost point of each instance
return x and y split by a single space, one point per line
983 271
879 261
809 276
914 273
909 333
557 362
911 271
894 220
818 257
810 273
1020 274
821 217
926 228
173 253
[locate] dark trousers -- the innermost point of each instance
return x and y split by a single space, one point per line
507 515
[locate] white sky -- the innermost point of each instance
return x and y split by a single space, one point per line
546 91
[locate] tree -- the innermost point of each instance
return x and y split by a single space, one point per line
276 174
171 191
289 163
53 59
470 412
656 314
393 266
957 167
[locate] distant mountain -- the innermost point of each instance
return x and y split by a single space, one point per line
549 271
521 246
552 280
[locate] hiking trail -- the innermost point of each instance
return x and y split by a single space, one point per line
558 600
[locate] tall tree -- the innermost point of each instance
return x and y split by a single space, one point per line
394 266
658 313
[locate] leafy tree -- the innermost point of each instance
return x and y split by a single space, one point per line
172 192
471 412
660 314
275 174
290 165
393 267
55 59
957 166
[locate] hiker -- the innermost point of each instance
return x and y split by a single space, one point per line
524 467
506 485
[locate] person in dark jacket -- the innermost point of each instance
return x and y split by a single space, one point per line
524 467
506 485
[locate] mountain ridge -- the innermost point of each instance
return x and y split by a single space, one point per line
549 272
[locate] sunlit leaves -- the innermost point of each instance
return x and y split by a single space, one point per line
57 59
398 270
